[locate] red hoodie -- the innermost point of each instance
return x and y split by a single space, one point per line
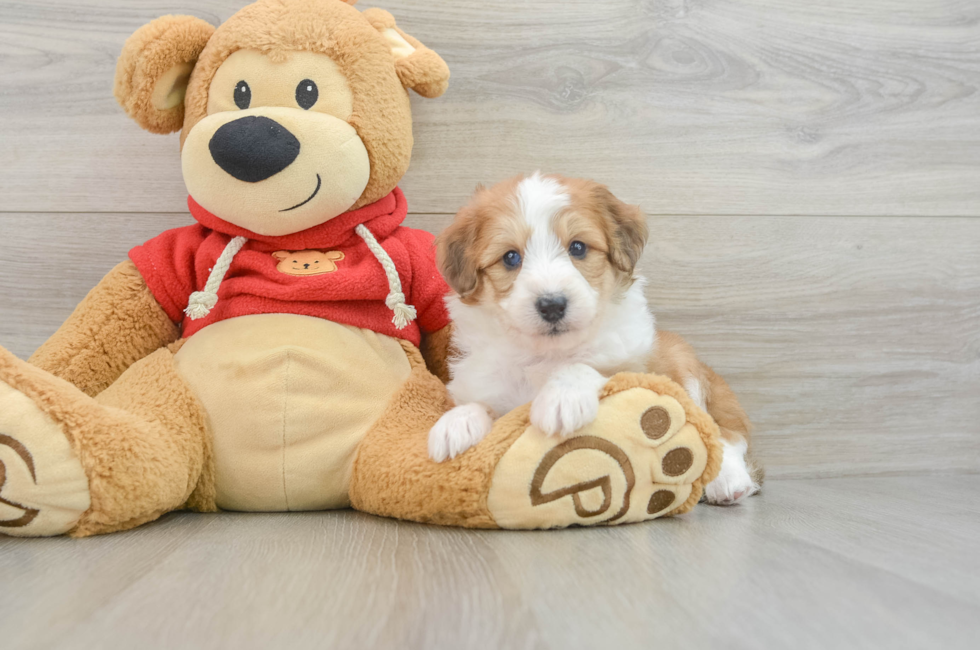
350 290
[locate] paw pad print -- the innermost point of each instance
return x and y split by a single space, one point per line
638 460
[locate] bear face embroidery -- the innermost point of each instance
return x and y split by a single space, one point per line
307 262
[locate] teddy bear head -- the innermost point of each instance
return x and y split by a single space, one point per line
291 112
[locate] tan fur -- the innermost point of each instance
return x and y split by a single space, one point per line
141 442
147 56
394 477
381 112
469 254
437 349
471 249
622 226
706 427
675 358
118 323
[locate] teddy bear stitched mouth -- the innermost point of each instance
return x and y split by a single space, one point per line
319 182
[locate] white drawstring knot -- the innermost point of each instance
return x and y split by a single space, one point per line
202 302
403 312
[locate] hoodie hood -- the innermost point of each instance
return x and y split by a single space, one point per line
381 218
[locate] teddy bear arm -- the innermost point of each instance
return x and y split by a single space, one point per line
118 323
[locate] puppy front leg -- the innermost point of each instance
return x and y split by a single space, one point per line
568 401
459 429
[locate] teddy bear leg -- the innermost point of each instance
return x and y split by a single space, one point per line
648 454
74 464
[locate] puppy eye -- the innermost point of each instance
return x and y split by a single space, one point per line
306 94
243 95
577 249
512 259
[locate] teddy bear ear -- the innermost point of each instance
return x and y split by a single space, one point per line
418 67
280 255
154 68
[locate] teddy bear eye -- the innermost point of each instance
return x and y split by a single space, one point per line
243 95
306 94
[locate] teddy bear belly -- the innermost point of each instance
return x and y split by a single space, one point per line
289 399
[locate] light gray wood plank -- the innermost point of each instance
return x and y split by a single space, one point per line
852 342
782 570
889 522
756 107
48 586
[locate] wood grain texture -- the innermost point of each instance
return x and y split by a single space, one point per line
852 342
846 563
685 106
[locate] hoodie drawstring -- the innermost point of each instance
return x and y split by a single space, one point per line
202 302
404 313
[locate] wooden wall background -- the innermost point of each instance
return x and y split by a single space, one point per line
811 171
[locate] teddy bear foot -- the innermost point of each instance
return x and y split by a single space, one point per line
648 454
43 489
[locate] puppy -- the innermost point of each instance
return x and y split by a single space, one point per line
547 307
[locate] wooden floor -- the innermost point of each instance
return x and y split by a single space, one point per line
827 563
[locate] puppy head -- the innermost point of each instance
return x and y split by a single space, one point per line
543 256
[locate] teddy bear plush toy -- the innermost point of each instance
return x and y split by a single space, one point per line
285 352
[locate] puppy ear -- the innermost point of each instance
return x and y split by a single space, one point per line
154 68
418 67
455 254
281 255
629 234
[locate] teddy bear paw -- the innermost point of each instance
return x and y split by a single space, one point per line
640 459
43 488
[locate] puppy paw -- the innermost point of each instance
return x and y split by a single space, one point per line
733 482
458 430
563 408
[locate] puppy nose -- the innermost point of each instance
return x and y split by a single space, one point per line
306 266
552 307
253 148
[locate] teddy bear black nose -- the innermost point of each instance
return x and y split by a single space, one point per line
253 148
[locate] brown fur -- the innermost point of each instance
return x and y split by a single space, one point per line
469 253
148 54
381 112
393 475
471 249
142 442
436 349
118 323
675 358
705 425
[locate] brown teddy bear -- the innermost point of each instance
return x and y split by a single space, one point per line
284 353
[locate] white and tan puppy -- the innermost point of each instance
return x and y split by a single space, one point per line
547 307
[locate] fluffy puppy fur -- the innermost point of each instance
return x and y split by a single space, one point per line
547 307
